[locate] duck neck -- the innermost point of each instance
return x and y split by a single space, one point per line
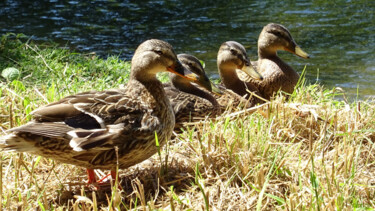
187 87
271 54
154 88
231 81
266 52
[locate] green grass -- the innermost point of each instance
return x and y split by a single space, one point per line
310 152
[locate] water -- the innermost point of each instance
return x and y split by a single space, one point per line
338 35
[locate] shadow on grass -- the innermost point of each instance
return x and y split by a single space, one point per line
139 184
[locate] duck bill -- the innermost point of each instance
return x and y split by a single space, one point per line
201 81
179 70
299 52
249 70
216 90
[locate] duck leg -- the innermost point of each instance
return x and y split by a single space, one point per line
112 174
91 176
101 183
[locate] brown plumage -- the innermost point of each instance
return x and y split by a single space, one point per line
84 129
277 74
190 102
231 57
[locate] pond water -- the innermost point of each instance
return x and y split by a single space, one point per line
339 35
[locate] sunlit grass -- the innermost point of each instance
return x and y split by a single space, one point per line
309 152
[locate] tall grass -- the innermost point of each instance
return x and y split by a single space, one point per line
308 152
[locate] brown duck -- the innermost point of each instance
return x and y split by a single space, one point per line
232 57
277 74
190 102
86 129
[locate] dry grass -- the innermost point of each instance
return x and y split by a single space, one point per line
286 155
311 152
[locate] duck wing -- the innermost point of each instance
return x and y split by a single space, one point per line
94 120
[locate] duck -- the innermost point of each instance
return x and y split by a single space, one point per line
106 129
231 59
189 101
277 74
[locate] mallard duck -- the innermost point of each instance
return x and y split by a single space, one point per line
277 74
87 129
190 102
232 56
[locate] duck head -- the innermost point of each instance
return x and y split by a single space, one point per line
276 37
153 56
193 69
232 55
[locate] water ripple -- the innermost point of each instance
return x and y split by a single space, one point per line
338 35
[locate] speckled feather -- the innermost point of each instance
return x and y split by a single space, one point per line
277 75
189 107
133 109
190 101
86 129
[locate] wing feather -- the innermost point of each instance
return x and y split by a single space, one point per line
95 120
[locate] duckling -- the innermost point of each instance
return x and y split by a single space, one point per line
232 56
106 129
277 74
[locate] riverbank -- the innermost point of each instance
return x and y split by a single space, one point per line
311 151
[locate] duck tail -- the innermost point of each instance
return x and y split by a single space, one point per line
13 142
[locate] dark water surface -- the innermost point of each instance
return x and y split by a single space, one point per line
338 35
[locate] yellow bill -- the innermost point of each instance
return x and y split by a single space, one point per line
249 70
201 81
299 52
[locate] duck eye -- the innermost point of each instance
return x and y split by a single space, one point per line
233 51
277 33
159 52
